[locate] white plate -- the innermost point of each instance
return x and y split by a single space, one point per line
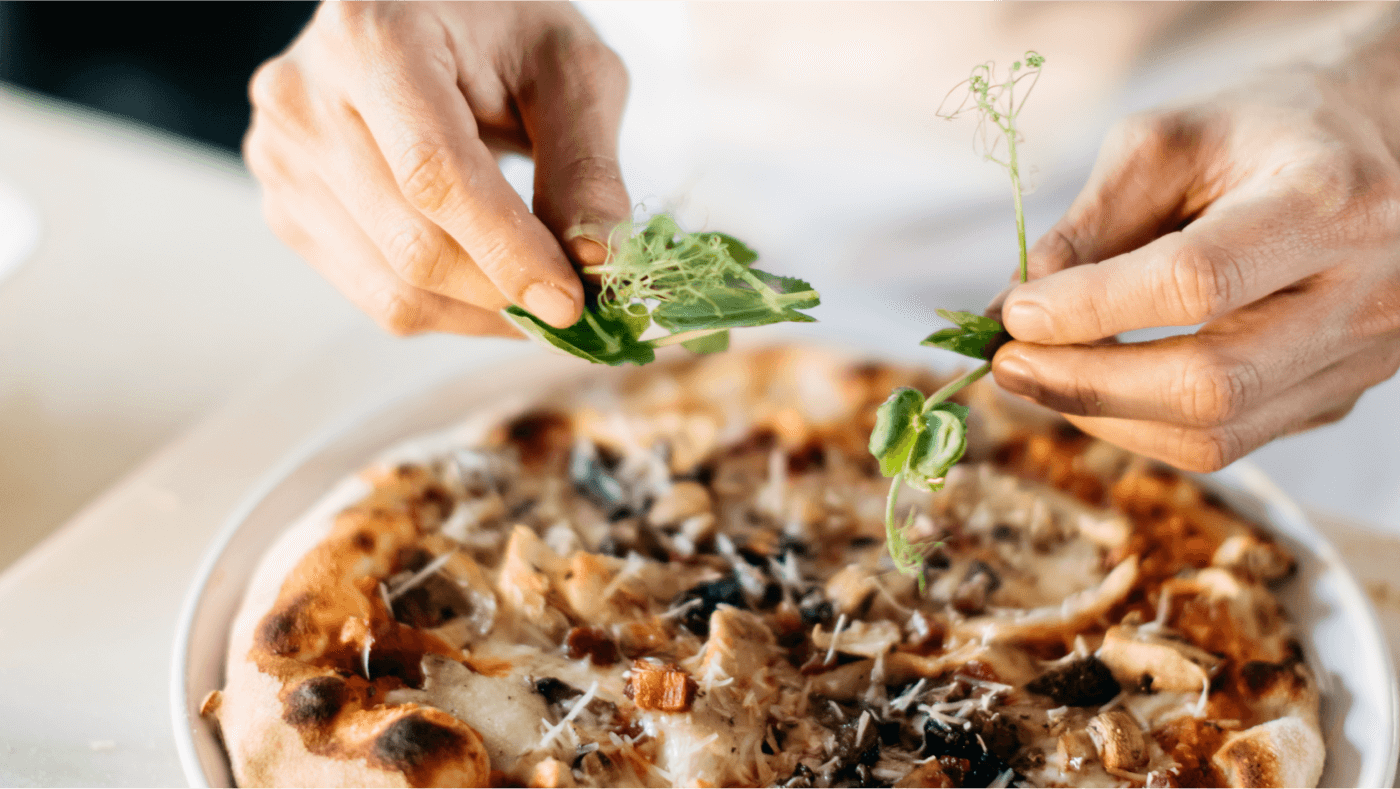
1344 643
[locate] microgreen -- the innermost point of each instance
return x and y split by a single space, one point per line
918 439
697 286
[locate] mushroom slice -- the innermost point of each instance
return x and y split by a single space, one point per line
524 583
1152 663
1075 748
1071 615
866 639
1260 559
1119 741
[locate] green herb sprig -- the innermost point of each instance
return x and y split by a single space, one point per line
918 439
697 286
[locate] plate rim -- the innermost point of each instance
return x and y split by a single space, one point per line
1243 474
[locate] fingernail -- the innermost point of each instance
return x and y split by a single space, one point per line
1027 321
1016 377
550 304
590 242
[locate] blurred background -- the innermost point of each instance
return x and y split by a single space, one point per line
180 67
140 288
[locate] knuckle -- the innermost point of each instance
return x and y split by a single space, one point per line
1215 390
275 85
599 62
343 21
1209 450
1201 283
1159 135
400 313
427 176
419 256
1356 196
259 158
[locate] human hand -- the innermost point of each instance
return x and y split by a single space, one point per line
1271 216
375 137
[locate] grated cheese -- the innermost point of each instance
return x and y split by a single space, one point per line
364 651
906 698
422 575
680 610
632 567
574 711
1002 780
1113 702
384 595
1200 709
835 636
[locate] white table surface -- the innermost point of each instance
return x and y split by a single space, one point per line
158 315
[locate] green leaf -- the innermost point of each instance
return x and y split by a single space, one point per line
978 345
897 420
937 446
737 304
690 284
970 321
710 343
960 411
799 293
737 249
602 337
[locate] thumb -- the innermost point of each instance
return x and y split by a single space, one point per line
1140 188
571 106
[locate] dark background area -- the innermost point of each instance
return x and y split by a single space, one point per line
179 66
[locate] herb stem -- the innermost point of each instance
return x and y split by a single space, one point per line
1016 194
609 341
953 387
680 337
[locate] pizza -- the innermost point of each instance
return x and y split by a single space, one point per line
676 576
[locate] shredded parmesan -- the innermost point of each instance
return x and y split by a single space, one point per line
582 702
632 567
906 698
862 725
421 576
1002 780
680 610
384 595
835 636
364 652
1113 702
1127 775
1200 709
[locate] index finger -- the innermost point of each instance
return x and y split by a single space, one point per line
1230 257
426 131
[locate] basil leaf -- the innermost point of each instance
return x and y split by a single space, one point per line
977 344
970 321
602 337
797 293
896 423
710 343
